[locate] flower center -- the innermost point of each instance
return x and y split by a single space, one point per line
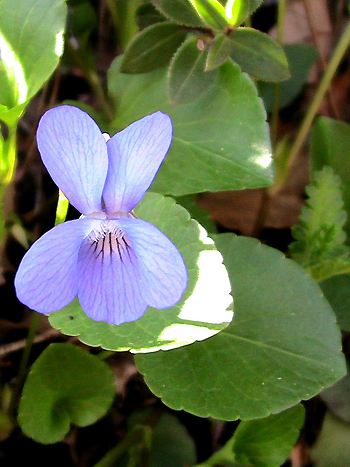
107 239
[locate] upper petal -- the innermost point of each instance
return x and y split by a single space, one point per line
74 152
135 155
46 280
109 288
164 273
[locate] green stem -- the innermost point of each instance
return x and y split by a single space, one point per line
326 80
277 88
22 372
123 17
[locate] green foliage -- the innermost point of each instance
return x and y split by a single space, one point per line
301 57
219 52
211 12
201 313
179 11
337 398
65 385
264 442
31 43
187 80
201 215
259 55
320 235
221 140
262 363
152 48
337 291
330 143
239 10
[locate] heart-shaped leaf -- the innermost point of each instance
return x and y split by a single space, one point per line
65 385
282 346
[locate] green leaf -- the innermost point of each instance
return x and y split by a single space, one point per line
264 442
259 55
65 385
337 398
179 11
201 215
187 79
282 346
301 57
211 12
331 267
221 141
152 48
219 52
147 14
337 291
171 446
31 42
330 140
320 235
239 10
332 448
202 312
267 442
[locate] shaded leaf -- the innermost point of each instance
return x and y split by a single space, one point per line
65 385
259 55
219 52
337 291
221 140
202 312
282 346
179 11
301 58
187 79
152 48
337 398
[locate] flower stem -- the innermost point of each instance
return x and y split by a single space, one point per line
326 80
277 87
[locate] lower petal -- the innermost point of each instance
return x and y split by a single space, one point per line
110 288
46 280
163 271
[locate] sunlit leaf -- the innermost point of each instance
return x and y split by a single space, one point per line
262 363
238 10
179 11
211 12
203 311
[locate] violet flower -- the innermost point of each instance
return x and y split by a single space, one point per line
116 264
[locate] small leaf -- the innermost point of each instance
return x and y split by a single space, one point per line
65 385
204 310
238 10
219 51
262 363
152 48
337 291
330 140
172 446
211 12
320 235
187 79
267 442
179 11
259 55
201 215
301 58
147 15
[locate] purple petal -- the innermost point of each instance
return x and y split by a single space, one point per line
164 274
74 152
109 280
46 280
135 155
